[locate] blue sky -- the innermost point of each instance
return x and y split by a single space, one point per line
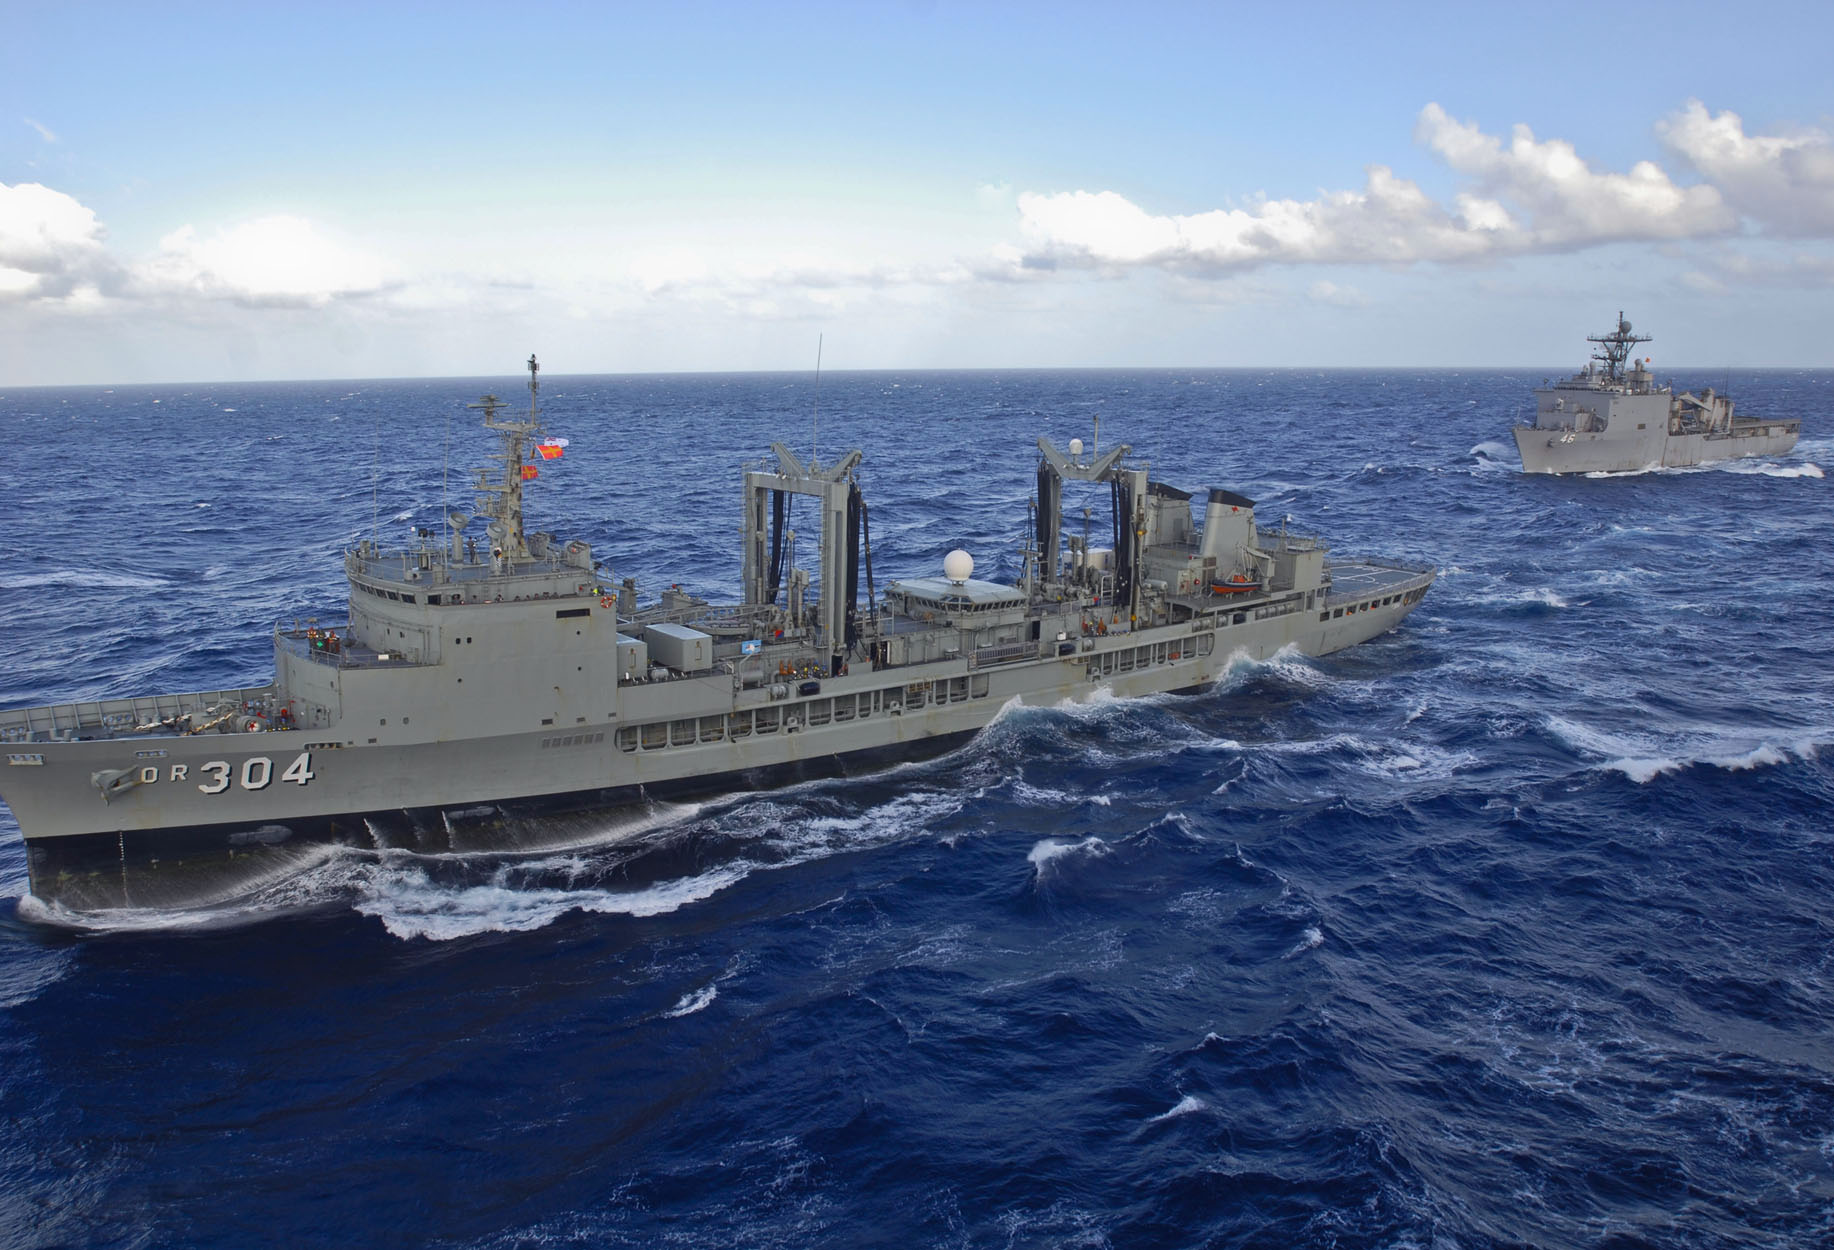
209 192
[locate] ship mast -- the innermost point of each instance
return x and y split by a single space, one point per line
502 501
1614 348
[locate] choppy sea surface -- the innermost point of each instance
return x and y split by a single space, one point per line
1512 927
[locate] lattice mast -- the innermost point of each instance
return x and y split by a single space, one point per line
1614 348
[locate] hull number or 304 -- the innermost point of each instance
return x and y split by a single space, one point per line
256 773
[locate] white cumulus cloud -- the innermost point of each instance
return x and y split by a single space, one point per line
1783 182
1565 201
49 243
1522 195
1102 225
278 260
1389 220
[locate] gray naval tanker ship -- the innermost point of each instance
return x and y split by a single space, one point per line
478 696
1611 419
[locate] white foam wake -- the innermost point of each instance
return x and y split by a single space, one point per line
1765 469
410 905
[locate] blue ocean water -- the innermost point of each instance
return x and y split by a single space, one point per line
1508 928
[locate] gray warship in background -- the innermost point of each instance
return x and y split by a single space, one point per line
503 696
1609 419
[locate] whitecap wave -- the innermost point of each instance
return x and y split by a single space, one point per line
1050 850
1417 761
84 578
1288 663
1629 575
1053 800
1125 721
1311 939
690 1003
1525 597
1642 757
1190 1104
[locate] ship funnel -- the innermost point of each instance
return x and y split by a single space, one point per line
1229 528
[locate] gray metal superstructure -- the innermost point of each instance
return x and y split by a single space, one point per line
1609 418
481 690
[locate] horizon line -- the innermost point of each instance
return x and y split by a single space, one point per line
805 372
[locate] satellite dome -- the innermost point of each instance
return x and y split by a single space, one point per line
1076 447
958 566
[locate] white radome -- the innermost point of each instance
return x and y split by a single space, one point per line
1076 448
958 566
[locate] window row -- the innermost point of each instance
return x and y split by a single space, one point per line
1129 659
809 713
572 740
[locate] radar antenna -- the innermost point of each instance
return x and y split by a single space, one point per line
1614 348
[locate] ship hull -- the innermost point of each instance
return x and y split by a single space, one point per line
177 868
1555 451
200 819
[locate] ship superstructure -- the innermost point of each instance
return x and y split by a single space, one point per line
1614 417
485 684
